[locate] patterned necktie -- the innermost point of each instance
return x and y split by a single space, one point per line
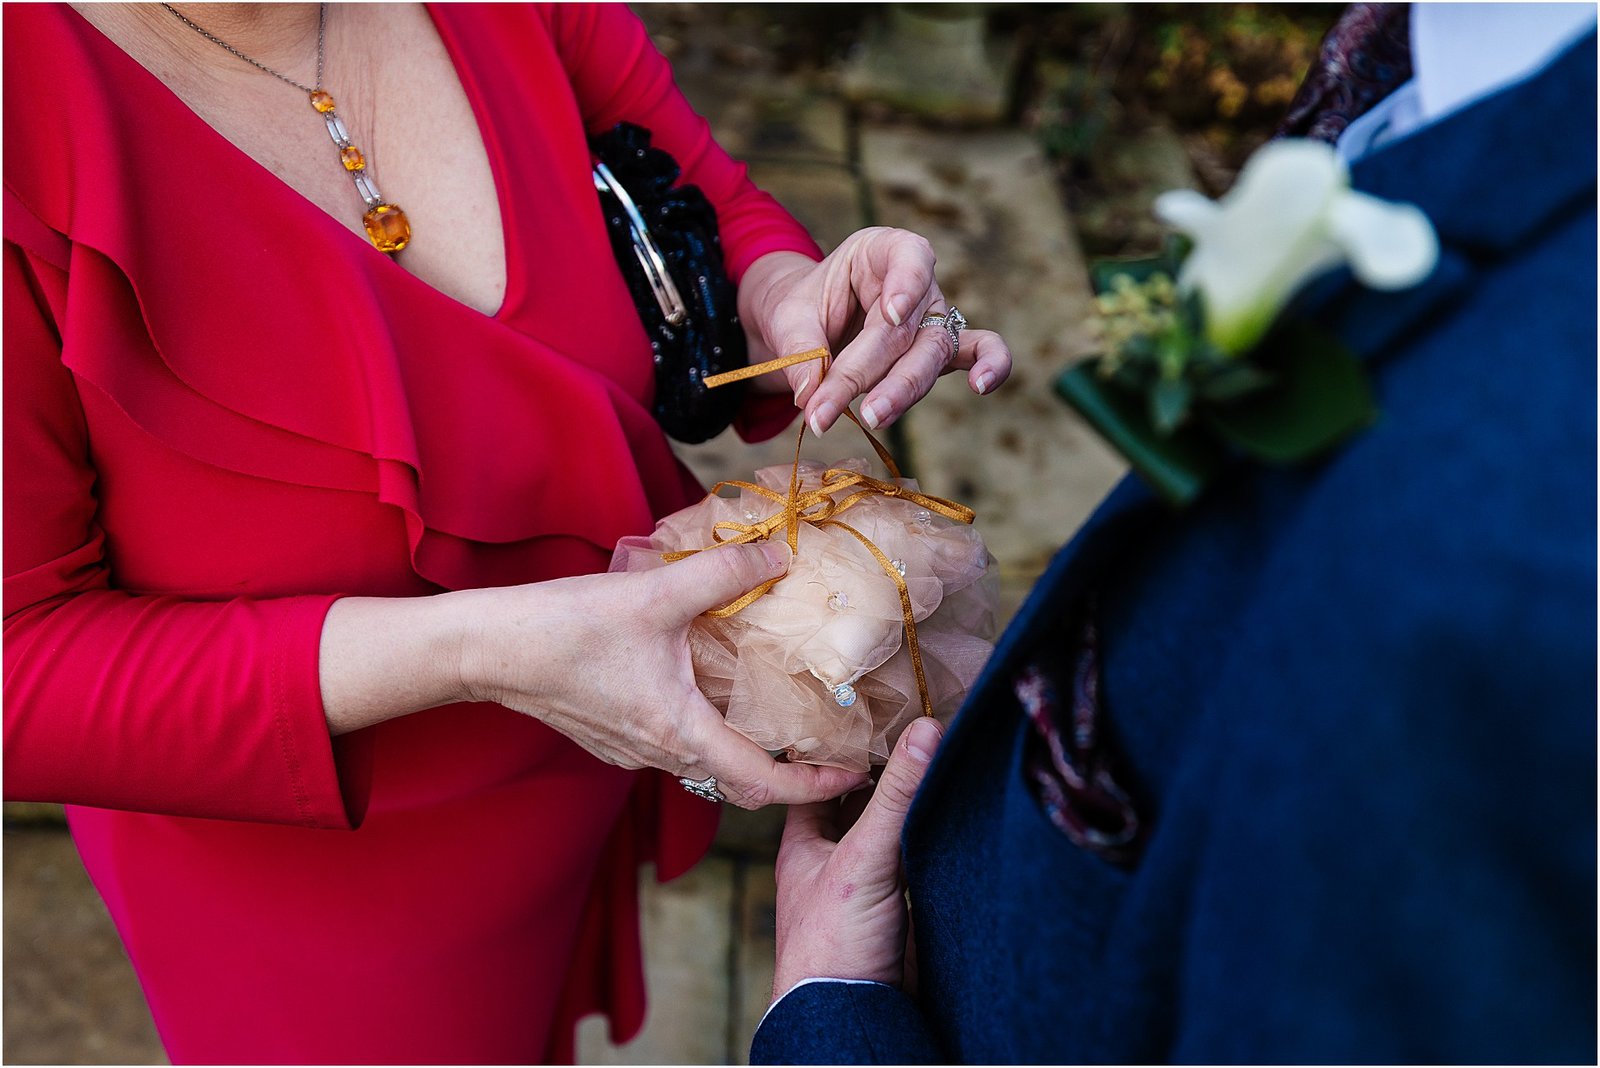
1364 58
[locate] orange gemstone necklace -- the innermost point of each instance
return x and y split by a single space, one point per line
386 224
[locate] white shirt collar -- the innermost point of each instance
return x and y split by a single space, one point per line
1461 52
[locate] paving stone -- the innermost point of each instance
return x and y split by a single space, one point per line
727 70
1133 170
70 993
765 118
750 835
688 940
1008 259
1145 163
825 198
34 813
757 950
932 61
1014 589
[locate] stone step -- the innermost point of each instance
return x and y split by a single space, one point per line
70 993
709 955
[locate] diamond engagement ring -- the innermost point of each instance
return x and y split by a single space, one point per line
951 322
705 789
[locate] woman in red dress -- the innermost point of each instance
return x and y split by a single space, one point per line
294 529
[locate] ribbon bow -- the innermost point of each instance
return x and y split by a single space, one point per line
820 508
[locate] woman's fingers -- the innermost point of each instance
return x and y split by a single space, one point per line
872 292
748 777
691 739
911 376
712 578
878 350
899 267
982 353
890 281
987 359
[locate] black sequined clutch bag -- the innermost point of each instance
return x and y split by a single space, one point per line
666 242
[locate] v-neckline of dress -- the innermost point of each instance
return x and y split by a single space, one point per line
512 298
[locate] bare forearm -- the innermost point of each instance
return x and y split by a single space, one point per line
382 657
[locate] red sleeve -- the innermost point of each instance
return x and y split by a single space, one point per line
150 704
618 75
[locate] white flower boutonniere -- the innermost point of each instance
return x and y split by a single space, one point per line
1198 361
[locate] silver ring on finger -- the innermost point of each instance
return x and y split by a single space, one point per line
951 322
705 789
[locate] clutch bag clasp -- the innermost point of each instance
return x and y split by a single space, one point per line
649 256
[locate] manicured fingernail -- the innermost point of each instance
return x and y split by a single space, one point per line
873 411
823 417
896 307
778 556
800 390
985 380
922 738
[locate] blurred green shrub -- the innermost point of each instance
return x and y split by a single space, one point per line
1222 71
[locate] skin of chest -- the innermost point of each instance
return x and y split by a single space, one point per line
398 93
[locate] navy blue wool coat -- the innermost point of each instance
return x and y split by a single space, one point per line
1355 700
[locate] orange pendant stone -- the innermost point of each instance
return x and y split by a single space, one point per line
322 101
388 228
351 157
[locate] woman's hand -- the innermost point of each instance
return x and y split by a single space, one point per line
862 304
841 913
604 659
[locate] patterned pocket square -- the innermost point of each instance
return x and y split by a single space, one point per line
1065 759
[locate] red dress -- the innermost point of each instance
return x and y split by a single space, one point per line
223 410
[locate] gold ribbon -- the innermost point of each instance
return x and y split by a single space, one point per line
819 508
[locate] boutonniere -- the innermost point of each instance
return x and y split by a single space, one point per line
1199 364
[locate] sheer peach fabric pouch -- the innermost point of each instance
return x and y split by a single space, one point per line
822 665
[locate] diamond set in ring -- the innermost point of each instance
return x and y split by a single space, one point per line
705 789
951 322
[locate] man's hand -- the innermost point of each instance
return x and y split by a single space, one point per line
841 910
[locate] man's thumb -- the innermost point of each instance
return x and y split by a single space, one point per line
713 577
878 829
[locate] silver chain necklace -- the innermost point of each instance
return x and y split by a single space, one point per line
387 226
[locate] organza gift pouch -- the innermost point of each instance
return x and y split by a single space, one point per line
887 611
